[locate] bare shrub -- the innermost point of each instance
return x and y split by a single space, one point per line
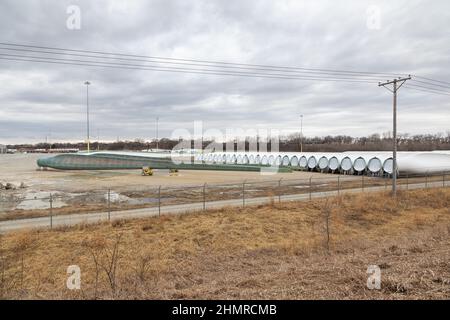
147 227
326 211
105 258
118 223
142 267
4 283
271 197
12 263
24 243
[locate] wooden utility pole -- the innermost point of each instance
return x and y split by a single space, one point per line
396 84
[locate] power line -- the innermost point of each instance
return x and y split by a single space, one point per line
178 71
94 63
425 78
428 91
349 72
214 67
432 84
195 64
156 68
428 88
174 69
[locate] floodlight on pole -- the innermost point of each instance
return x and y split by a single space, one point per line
301 133
157 129
87 83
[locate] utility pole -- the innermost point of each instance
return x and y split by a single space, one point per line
87 83
396 84
301 133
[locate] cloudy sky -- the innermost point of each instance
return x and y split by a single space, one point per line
408 37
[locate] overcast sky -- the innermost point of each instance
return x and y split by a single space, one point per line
37 100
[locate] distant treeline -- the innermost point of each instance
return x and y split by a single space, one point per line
290 143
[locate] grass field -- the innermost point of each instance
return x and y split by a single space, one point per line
299 250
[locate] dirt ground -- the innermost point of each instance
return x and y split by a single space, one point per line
301 250
87 191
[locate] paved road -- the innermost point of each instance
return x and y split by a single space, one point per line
73 219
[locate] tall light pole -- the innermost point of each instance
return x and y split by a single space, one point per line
396 84
157 140
87 83
301 133
202 141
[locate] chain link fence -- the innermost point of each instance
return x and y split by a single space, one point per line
105 204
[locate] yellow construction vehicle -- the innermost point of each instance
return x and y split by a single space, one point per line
147 171
173 172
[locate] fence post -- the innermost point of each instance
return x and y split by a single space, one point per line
362 183
310 188
385 184
243 194
426 180
407 181
159 201
51 211
443 179
339 184
279 190
109 204
204 196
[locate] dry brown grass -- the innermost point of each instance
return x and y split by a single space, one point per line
275 251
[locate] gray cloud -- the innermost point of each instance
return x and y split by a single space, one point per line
37 99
